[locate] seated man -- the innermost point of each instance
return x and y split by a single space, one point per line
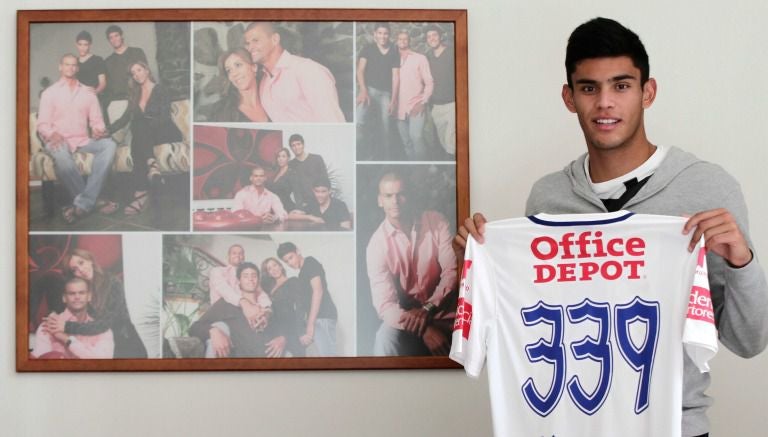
329 211
231 333
76 297
258 200
412 269
68 110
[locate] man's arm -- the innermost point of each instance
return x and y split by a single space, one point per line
737 282
429 86
362 89
238 202
278 211
43 342
446 258
317 295
319 88
103 347
395 91
383 292
45 126
218 283
95 119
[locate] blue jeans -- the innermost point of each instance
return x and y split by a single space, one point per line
412 133
84 193
376 142
325 337
392 342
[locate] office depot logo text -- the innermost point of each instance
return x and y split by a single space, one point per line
587 256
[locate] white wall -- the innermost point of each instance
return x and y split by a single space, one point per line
711 64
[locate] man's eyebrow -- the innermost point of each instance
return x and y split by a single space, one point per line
587 81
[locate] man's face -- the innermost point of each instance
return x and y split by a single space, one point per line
322 194
392 199
260 43
236 255
433 39
297 147
115 39
83 47
293 259
76 296
403 41
609 101
68 67
258 177
381 36
249 280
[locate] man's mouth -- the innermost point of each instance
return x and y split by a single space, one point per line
607 121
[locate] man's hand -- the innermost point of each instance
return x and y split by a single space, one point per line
98 133
417 109
721 235
256 315
392 108
55 323
55 141
306 339
363 98
276 347
268 218
415 321
436 341
220 343
474 226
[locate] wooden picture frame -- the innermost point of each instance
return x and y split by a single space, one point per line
149 264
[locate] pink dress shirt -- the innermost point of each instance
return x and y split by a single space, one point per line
424 265
69 112
248 198
416 83
299 90
82 346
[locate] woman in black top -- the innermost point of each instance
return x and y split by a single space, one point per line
284 180
149 113
287 316
240 100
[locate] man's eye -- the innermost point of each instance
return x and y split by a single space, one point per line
622 86
588 89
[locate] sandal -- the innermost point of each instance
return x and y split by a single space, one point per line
137 204
154 169
71 214
107 207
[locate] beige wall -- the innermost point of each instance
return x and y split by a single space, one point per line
711 65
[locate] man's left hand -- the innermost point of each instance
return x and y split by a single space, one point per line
55 323
417 109
436 341
721 235
415 321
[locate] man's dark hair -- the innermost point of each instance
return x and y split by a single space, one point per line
321 181
84 35
379 25
435 28
605 38
285 249
114 28
295 137
247 265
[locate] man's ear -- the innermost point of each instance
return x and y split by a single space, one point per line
567 95
275 38
649 92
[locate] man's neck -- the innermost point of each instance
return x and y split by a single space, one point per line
79 315
402 224
71 82
120 50
252 296
271 61
438 50
259 189
605 165
302 157
405 51
383 48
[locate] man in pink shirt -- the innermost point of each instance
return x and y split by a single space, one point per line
77 296
68 109
416 86
294 89
412 270
258 200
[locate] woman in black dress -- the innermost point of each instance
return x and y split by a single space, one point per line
149 113
283 182
287 317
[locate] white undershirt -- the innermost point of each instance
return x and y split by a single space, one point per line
614 188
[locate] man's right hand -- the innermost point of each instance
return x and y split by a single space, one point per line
474 226
54 141
220 343
363 98
436 341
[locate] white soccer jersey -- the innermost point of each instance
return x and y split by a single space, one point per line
582 320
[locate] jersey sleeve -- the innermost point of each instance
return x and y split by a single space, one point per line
476 310
700 333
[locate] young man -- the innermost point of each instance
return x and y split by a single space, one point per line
70 120
230 331
378 81
329 211
316 300
412 271
77 296
416 86
258 200
118 75
307 168
294 89
443 100
609 88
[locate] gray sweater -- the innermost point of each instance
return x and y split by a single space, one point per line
683 185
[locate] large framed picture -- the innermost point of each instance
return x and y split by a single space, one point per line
239 189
